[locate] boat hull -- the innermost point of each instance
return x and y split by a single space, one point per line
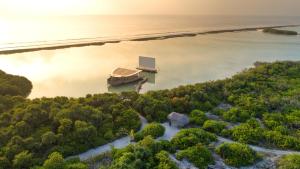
117 82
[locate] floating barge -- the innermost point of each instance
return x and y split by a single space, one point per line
122 76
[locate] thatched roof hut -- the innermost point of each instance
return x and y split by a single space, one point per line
178 120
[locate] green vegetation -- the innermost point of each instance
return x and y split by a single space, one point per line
280 32
214 126
190 137
153 129
236 115
104 160
264 99
199 155
56 161
236 154
270 93
14 85
252 133
249 132
291 161
30 130
146 154
197 117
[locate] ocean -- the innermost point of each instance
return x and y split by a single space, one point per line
75 72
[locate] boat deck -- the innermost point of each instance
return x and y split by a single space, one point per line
151 70
122 72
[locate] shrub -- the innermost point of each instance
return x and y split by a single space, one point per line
198 117
214 126
237 154
236 115
164 161
250 132
54 161
199 155
275 138
291 161
166 145
191 137
153 129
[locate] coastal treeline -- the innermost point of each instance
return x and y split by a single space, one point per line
264 108
14 85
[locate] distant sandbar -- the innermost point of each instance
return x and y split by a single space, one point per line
92 42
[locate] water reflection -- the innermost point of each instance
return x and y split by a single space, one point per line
150 77
123 88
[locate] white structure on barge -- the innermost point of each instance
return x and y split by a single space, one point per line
147 64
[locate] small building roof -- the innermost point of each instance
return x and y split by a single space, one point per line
182 118
122 72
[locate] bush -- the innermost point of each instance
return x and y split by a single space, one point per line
191 137
199 155
153 129
198 117
291 161
166 145
237 154
250 132
54 161
214 126
236 115
276 139
164 161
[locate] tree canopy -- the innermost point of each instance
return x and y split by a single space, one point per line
14 85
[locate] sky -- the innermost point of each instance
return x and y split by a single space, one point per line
150 7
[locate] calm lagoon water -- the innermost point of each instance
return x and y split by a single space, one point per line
78 71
